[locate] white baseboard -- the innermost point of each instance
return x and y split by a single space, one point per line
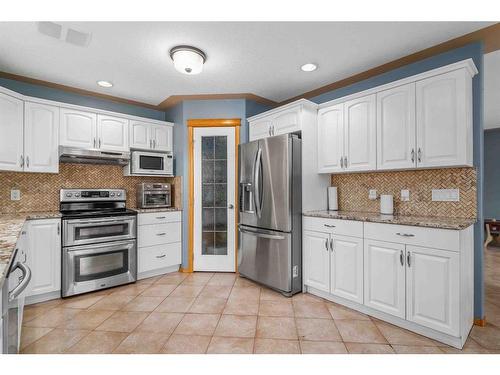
42 297
157 272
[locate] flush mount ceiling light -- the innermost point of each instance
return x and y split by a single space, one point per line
106 84
188 59
309 67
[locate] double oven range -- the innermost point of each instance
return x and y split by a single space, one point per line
99 242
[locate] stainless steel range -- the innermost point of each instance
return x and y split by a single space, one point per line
99 247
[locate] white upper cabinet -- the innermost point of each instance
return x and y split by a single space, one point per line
78 128
286 122
444 120
396 128
112 133
360 142
41 138
11 133
140 135
331 139
384 277
260 129
317 260
433 288
347 268
162 137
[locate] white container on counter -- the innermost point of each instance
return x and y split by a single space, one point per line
333 204
386 204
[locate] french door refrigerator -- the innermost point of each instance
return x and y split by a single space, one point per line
270 212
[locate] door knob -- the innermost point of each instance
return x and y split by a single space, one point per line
230 206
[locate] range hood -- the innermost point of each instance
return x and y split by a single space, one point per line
84 156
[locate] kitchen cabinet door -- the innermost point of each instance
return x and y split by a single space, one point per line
260 129
140 135
346 269
360 134
432 295
11 133
444 120
162 137
112 133
286 122
44 255
384 277
316 260
396 143
331 139
41 138
78 129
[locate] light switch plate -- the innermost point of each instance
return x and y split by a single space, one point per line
405 195
372 194
445 195
15 195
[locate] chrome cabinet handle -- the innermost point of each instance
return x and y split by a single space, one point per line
25 279
326 244
99 142
419 155
269 130
27 161
331 244
408 257
329 225
58 229
161 234
161 217
273 129
405 234
341 162
154 143
94 143
412 155
22 161
402 258
150 143
161 256
345 161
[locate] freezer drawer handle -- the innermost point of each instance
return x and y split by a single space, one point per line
262 235
161 256
25 279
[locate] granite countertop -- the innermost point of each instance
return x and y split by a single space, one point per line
374 217
10 229
164 209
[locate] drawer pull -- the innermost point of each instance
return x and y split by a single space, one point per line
161 234
161 256
161 217
405 234
326 244
402 258
329 225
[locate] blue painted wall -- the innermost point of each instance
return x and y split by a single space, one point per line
492 173
77 99
474 51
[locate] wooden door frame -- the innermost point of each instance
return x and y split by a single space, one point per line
209 123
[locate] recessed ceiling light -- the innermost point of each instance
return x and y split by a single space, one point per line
188 59
106 84
309 67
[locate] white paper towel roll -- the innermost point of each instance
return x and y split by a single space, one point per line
332 199
386 204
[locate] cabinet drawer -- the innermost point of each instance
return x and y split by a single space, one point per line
343 227
158 234
160 256
158 217
428 237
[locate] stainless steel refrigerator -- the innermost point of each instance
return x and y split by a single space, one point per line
270 212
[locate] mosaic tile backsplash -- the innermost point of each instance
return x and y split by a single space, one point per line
40 191
353 191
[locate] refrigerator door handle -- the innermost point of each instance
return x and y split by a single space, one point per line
256 183
261 234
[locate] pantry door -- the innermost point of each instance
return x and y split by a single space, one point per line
214 199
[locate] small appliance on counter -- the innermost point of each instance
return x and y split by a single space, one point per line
386 204
333 204
154 195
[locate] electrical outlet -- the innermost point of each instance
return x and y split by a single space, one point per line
15 195
405 195
372 194
445 195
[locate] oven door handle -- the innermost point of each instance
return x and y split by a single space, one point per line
113 221
97 247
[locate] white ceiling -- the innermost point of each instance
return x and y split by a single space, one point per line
248 57
492 90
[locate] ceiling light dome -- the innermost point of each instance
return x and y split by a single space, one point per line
309 67
188 59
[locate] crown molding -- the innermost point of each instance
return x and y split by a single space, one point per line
173 100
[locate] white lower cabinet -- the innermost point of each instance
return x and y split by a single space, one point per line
44 256
433 288
392 273
159 248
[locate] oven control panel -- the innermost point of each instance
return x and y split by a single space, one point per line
78 195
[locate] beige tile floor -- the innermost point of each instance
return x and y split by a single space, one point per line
223 313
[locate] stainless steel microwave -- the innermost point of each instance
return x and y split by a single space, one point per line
152 163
